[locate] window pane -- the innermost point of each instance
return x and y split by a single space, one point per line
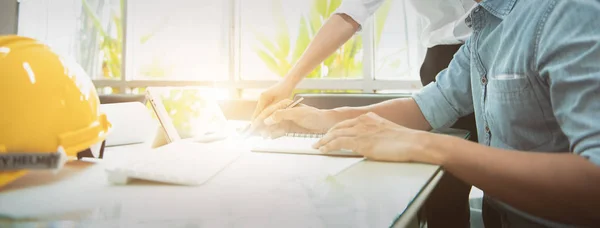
274 33
179 39
86 30
397 47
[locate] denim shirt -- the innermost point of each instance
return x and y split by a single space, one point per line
531 74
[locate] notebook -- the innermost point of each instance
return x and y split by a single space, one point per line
297 143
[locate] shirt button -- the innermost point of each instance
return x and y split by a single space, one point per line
484 80
487 129
468 21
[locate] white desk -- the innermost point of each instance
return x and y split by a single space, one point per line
257 190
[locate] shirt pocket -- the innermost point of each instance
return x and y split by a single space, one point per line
515 112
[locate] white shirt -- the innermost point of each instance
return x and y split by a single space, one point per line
443 20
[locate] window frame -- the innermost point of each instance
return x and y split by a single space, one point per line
368 83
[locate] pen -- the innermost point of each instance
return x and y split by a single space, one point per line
293 104
247 131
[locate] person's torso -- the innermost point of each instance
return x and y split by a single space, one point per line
511 101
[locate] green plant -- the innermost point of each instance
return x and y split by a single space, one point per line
345 62
110 46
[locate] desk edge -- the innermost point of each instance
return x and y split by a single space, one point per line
411 211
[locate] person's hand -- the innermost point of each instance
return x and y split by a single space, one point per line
268 103
301 119
378 139
272 95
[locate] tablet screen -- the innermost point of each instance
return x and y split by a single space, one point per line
186 112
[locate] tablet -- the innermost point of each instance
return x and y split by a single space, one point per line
187 112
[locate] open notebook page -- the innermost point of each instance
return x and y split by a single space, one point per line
297 144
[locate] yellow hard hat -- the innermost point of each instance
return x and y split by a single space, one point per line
49 109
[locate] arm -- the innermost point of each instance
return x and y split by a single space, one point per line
410 115
442 102
527 181
338 29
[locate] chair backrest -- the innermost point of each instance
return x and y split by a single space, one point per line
333 100
122 98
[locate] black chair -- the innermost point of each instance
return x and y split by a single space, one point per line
335 100
121 98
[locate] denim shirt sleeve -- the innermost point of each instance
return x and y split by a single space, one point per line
444 101
568 60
